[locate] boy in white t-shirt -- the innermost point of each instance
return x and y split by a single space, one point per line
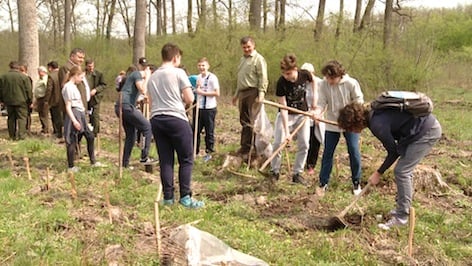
208 88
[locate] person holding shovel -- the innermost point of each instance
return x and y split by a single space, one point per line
336 91
407 140
291 91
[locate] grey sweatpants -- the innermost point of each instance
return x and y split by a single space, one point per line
403 171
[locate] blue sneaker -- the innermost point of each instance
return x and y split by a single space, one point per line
190 203
207 157
168 202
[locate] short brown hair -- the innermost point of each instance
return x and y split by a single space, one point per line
353 117
333 69
289 62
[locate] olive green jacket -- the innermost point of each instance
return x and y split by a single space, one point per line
15 89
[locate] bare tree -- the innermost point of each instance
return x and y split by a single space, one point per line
158 6
111 15
387 39
255 15
125 16
172 5
319 20
67 24
202 15
283 4
189 16
367 15
28 36
357 15
215 13
340 18
139 40
265 11
10 15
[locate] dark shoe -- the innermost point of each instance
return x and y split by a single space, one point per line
298 178
274 175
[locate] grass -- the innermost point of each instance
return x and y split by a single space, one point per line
279 225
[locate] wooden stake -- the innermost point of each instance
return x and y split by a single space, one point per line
411 231
11 159
295 110
288 161
107 202
48 185
120 137
158 223
26 159
73 191
195 128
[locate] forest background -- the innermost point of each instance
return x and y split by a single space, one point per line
111 218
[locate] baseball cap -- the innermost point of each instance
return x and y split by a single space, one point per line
143 61
308 67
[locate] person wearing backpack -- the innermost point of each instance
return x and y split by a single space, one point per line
406 138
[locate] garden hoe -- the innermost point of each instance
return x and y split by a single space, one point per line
338 222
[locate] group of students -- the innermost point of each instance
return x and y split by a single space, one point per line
337 98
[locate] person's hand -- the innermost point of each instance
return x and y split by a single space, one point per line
260 98
93 92
374 179
234 101
77 125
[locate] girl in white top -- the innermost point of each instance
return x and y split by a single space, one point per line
75 124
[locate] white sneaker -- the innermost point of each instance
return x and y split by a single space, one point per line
393 222
73 169
320 191
357 190
98 164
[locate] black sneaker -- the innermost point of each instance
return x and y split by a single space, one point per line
298 178
274 175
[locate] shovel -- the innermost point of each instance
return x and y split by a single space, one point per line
338 222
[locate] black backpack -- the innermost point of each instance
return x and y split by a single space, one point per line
416 103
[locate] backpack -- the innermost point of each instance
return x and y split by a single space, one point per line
416 103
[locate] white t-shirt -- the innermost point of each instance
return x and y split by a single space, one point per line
71 93
208 83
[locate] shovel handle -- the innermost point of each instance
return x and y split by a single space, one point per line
295 110
356 198
264 165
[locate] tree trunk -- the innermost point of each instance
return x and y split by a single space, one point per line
97 6
111 15
164 17
367 14
214 13
28 36
189 16
283 4
357 16
265 10
255 15
125 16
276 14
202 15
319 20
139 41
339 23
10 14
67 24
158 6
387 39
172 8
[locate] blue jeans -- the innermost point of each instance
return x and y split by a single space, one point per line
172 135
134 120
331 141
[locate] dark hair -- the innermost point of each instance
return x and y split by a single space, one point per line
14 65
333 69
289 62
169 50
53 64
353 117
77 51
247 39
89 61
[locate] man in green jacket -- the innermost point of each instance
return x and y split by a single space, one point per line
17 95
97 85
